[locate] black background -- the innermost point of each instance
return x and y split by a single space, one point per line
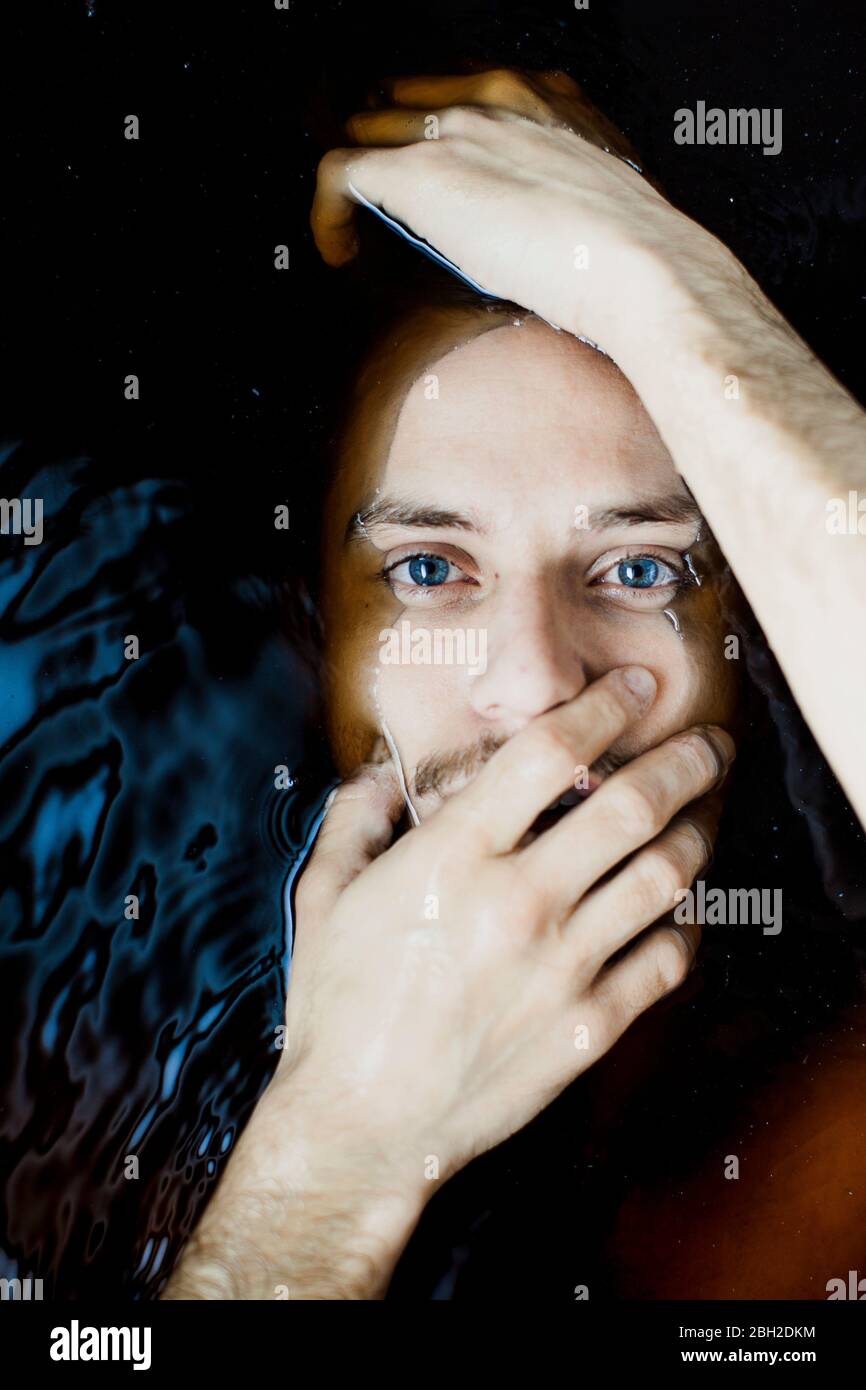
156 256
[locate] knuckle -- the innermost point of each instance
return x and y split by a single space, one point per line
662 877
354 788
505 87
614 701
525 904
671 965
331 164
639 811
365 790
453 146
423 150
460 121
546 753
613 1007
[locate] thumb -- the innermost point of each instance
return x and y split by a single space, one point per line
359 824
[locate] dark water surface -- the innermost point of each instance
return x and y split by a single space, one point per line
145 1034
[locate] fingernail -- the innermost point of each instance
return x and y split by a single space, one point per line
640 682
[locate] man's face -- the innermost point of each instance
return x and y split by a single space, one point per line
512 492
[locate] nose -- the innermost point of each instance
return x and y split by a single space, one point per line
533 659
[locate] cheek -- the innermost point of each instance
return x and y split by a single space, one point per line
696 684
426 707
421 704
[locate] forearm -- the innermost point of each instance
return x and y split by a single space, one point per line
297 1222
765 437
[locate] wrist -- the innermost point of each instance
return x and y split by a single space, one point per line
311 1247
300 1213
721 371
652 295
686 312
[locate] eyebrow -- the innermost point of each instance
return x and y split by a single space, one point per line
675 507
390 511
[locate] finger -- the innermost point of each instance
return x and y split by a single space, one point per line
655 966
332 217
629 809
520 91
401 125
395 126
548 98
538 764
498 87
358 826
554 80
616 911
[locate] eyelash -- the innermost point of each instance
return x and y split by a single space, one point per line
683 577
385 572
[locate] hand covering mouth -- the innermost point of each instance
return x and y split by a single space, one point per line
560 807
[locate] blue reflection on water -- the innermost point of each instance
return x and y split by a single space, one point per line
142 1038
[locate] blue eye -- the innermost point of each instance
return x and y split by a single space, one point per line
640 573
422 572
428 570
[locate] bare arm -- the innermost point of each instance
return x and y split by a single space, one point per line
296 1215
765 437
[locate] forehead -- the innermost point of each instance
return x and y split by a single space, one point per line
516 414
524 405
